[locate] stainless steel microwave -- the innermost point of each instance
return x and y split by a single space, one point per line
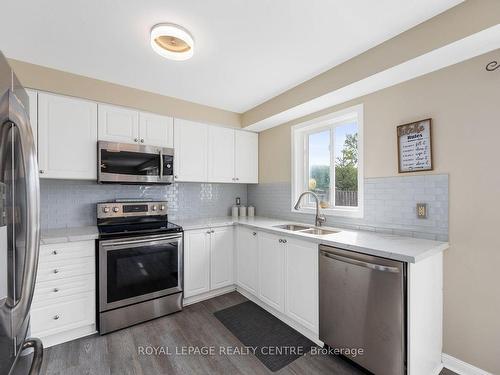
134 164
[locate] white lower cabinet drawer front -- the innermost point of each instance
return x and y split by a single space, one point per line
65 268
65 314
45 291
66 250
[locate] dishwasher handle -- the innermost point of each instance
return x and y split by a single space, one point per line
360 263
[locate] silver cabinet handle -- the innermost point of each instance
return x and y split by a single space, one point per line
212 231
280 240
208 232
142 140
284 241
176 176
18 118
54 252
56 317
56 290
161 164
254 233
355 262
56 271
41 171
136 139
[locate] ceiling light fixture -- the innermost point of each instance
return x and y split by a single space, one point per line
172 41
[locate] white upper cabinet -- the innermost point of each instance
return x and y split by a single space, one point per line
301 280
124 125
221 257
220 154
246 165
33 113
271 270
67 137
118 124
191 149
156 130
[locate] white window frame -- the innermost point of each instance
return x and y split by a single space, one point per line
300 153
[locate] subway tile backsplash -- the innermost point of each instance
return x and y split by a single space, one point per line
70 203
390 205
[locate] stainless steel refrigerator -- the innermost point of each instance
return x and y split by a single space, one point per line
19 227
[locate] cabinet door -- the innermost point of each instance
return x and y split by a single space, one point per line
271 267
220 154
246 157
191 147
67 137
247 260
196 262
156 130
221 257
301 280
117 124
33 114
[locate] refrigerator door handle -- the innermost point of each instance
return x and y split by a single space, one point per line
37 346
19 118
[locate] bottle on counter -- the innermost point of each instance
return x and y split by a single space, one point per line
234 211
251 211
243 211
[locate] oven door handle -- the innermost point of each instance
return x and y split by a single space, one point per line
161 164
149 241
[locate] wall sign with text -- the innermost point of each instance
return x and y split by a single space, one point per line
415 146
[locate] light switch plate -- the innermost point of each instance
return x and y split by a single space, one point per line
422 210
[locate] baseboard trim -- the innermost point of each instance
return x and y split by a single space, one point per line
204 296
461 367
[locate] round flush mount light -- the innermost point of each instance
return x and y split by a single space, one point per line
172 41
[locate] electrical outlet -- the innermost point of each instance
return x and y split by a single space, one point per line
422 210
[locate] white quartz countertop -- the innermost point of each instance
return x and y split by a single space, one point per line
51 236
407 249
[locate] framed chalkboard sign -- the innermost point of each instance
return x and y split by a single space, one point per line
415 146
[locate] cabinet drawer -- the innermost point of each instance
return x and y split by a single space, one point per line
66 250
46 291
65 314
65 268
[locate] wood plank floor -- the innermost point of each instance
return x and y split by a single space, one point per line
195 326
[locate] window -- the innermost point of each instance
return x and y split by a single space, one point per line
327 160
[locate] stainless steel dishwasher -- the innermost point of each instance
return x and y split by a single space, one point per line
362 305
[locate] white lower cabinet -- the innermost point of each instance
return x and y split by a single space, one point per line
208 260
221 257
301 283
247 269
271 270
63 306
196 262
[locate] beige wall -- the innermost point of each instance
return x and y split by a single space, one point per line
42 78
463 20
464 103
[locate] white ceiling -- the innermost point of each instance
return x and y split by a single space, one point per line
246 52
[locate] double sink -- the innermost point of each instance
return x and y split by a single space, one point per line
306 229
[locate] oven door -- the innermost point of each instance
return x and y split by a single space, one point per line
127 163
137 269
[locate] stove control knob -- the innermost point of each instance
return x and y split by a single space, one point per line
162 207
116 209
105 209
154 208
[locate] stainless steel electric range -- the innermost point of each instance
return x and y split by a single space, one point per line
139 263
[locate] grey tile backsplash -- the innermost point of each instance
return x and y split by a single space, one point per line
70 203
390 203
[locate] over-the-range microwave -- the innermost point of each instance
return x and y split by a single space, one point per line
134 164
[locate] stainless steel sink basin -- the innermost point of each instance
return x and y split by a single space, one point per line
319 231
291 227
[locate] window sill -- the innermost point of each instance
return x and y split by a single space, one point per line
356 213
